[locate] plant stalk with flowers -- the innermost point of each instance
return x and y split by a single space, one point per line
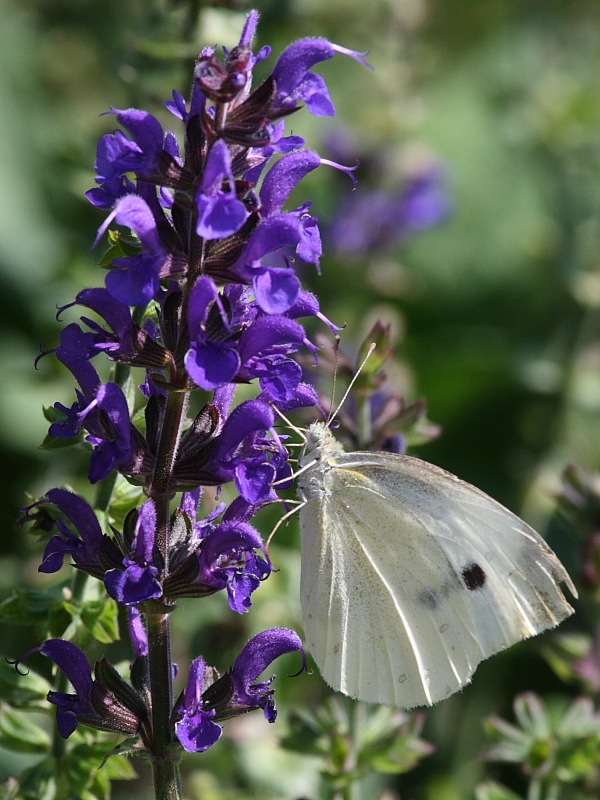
208 315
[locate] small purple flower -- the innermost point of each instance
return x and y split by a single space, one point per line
228 559
85 550
220 213
295 82
196 730
138 581
118 155
380 219
71 660
253 661
205 703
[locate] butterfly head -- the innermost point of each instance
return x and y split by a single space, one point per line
320 441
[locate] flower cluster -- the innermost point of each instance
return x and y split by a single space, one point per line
190 298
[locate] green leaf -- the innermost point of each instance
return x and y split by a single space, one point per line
490 790
101 617
39 782
28 606
130 747
9 790
118 767
304 736
125 497
56 443
60 617
21 690
19 733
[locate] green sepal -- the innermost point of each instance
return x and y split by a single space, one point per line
22 690
130 747
52 415
101 618
19 733
370 370
107 675
120 246
167 386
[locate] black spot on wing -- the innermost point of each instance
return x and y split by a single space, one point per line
473 576
429 599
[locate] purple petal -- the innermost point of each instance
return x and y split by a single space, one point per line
79 512
267 332
276 290
133 585
254 481
145 533
257 655
247 418
116 313
202 295
283 177
212 365
137 632
136 280
219 216
72 661
197 732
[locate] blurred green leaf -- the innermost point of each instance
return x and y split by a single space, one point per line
22 690
60 617
9 790
101 617
490 790
28 606
18 732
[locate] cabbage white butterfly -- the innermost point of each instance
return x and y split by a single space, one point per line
411 577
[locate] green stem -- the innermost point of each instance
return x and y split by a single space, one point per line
165 753
365 431
164 750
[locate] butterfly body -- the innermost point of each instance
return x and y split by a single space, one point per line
411 577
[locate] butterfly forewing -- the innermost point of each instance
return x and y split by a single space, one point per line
411 577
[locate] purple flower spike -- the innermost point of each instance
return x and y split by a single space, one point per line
71 660
220 213
252 662
196 731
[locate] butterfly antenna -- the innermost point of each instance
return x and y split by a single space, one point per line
299 431
353 381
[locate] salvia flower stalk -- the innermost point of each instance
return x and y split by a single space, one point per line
190 298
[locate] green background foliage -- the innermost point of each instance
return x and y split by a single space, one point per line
495 314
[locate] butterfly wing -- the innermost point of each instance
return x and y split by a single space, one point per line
411 577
